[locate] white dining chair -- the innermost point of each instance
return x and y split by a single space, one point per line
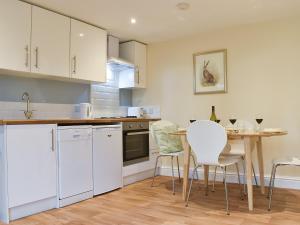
169 146
208 140
294 161
238 149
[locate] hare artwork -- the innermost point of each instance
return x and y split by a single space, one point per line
208 78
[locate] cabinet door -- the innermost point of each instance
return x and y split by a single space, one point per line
31 156
136 53
107 159
15 27
141 64
88 52
50 43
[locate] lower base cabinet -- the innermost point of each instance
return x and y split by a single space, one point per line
30 178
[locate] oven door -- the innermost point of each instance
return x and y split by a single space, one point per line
136 146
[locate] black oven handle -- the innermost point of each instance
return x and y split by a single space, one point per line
137 133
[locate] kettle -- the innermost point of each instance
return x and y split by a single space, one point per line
85 110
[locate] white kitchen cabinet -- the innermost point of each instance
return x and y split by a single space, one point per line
31 163
15 28
50 43
88 52
136 53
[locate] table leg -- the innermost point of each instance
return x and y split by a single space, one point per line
260 165
206 174
248 161
186 166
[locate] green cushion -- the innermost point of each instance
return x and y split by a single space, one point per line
167 143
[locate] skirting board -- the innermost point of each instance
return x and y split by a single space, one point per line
75 198
280 181
137 177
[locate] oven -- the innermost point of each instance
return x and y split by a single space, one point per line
135 142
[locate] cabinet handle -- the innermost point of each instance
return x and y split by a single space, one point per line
109 135
26 56
138 74
53 140
74 64
36 57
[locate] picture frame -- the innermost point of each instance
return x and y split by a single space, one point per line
210 72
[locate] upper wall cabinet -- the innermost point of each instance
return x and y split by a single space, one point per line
15 28
88 52
136 53
50 43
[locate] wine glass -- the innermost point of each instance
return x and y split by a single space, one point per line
232 120
259 120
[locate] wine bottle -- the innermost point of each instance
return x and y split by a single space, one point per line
213 116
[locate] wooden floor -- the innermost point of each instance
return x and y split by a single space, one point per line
139 204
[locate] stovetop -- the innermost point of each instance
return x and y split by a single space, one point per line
115 117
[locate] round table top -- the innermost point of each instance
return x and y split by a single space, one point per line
241 133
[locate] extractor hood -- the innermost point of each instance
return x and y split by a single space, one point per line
119 64
113 60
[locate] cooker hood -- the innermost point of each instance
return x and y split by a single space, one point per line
113 59
119 64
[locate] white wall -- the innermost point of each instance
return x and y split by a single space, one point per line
263 77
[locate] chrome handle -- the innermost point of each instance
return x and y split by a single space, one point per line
137 133
76 135
138 74
27 56
74 64
36 57
53 140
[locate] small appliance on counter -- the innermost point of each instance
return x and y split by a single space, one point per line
138 112
85 111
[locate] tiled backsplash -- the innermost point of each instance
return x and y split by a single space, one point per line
105 97
14 110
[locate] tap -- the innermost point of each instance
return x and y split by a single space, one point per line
28 113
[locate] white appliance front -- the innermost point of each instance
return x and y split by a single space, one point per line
107 158
75 161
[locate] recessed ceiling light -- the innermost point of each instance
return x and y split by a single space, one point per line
133 21
81 34
183 6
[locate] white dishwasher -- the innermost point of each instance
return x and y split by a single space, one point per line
75 164
107 158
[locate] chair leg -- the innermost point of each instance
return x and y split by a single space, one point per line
195 165
214 181
272 186
255 179
244 177
226 191
178 169
188 197
239 180
173 180
155 170
270 182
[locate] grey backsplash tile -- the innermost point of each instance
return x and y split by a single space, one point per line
105 98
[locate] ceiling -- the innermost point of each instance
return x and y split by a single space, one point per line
161 20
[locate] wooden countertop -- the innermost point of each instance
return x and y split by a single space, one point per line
76 121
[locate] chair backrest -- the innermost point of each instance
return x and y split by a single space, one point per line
207 139
166 143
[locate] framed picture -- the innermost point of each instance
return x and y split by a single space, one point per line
210 72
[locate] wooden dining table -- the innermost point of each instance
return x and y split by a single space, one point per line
250 139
